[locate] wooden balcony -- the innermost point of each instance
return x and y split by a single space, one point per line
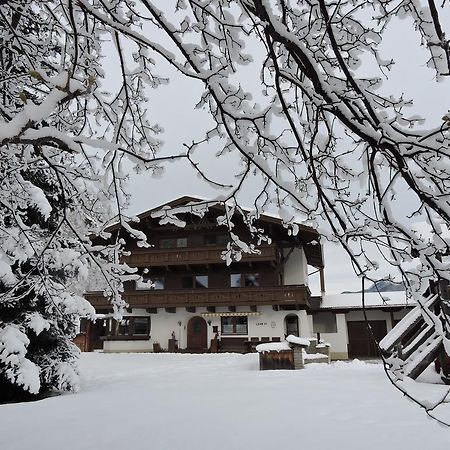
191 255
248 296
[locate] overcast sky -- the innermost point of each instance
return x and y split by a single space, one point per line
172 107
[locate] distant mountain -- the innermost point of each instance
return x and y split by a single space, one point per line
381 286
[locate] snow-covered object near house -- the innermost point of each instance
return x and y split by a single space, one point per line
414 343
303 342
273 347
315 357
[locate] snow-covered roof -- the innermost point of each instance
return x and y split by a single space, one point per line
371 300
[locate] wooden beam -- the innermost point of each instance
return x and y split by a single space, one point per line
190 309
253 308
232 308
322 279
152 310
211 309
171 310
276 307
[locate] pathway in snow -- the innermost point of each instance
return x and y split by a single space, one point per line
184 402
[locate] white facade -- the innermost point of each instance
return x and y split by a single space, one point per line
295 268
264 323
339 340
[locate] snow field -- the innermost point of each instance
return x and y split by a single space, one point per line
181 401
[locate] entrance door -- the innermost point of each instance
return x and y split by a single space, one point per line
291 321
360 341
94 332
197 335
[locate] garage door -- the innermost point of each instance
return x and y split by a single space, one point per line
360 342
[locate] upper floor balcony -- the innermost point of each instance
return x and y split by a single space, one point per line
192 255
294 295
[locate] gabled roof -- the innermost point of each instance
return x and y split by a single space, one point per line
307 236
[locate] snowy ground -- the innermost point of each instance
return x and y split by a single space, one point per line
167 401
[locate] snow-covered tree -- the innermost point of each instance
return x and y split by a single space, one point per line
295 88
63 145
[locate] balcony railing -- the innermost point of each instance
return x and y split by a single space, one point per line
191 255
244 296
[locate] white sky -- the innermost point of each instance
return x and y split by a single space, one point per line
172 107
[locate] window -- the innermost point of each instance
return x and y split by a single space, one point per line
181 242
212 240
201 281
235 280
194 281
158 283
246 280
167 243
234 325
132 326
123 327
251 279
141 325
324 322
149 282
186 282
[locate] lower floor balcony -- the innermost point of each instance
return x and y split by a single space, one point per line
295 295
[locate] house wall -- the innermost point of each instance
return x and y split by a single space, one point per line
268 323
338 341
378 315
295 268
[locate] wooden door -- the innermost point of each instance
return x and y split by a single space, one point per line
197 335
94 334
360 341
291 321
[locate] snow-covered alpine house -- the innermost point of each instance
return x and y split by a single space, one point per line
197 303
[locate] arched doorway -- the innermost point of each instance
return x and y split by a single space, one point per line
197 335
291 325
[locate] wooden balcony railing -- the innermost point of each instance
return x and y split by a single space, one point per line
191 255
277 295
